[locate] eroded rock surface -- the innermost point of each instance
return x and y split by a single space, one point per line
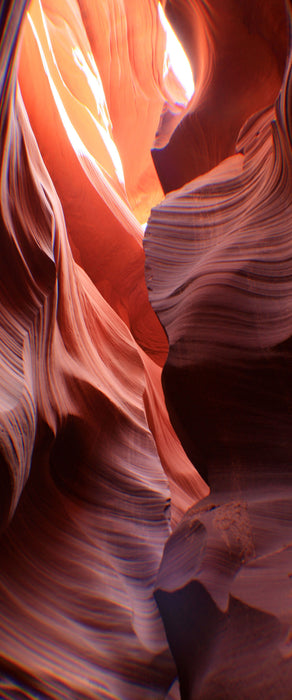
218 255
100 504
86 440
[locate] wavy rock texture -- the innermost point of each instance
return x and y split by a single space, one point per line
238 52
86 441
218 259
93 476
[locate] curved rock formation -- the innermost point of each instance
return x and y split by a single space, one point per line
85 501
218 258
238 53
99 504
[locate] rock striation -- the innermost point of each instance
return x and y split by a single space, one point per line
145 381
218 259
86 441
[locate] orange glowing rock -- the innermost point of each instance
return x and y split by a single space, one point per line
85 501
99 502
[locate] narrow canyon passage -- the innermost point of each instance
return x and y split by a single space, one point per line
145 353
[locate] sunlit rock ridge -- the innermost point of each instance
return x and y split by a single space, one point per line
145 370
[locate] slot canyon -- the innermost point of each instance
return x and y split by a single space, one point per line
145 350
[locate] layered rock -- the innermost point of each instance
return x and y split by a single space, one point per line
238 53
93 475
85 502
218 257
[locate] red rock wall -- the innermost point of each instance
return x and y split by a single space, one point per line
218 258
94 478
85 436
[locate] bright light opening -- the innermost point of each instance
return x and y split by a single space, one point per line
176 61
